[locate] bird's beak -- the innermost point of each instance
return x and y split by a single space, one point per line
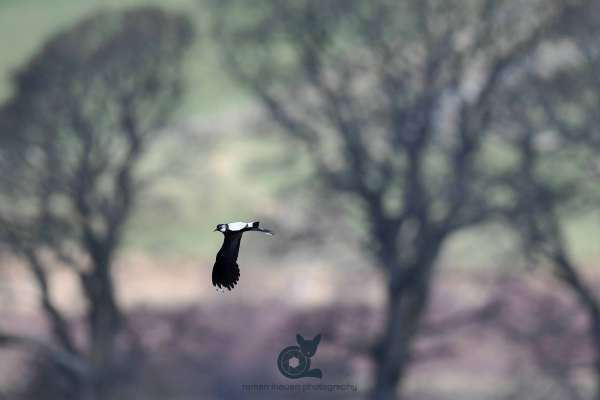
214 230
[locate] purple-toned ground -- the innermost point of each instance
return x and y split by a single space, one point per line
483 338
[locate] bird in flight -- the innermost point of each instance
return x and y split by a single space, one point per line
226 272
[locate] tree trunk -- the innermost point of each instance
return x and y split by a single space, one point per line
595 329
570 276
104 324
404 311
408 294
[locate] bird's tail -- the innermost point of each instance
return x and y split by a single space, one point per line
255 227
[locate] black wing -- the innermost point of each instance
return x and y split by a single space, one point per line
226 272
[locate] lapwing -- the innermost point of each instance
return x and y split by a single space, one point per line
226 272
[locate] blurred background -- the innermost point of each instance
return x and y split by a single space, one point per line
430 169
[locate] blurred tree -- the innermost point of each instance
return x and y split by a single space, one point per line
392 101
555 132
86 108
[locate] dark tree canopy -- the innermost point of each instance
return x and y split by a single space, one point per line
391 98
393 102
86 109
89 103
554 132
